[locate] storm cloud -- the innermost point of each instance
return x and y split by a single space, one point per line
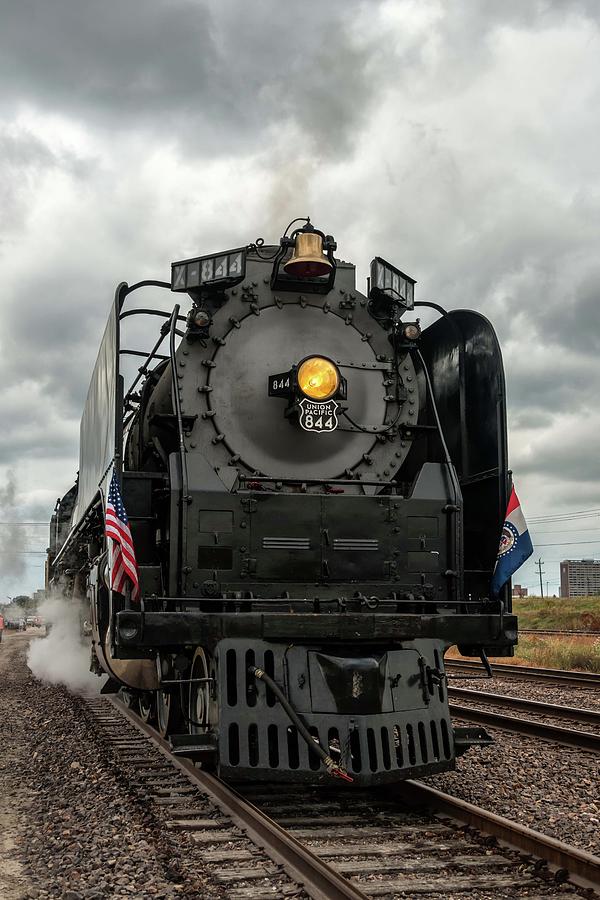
458 139
212 77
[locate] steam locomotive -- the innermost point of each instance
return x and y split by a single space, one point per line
315 489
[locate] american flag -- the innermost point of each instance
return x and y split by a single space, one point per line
123 566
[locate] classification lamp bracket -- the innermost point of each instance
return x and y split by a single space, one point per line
387 283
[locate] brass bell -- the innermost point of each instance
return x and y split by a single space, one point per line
307 260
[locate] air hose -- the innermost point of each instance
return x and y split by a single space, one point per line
312 743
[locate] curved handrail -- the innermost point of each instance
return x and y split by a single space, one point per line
149 312
431 305
149 282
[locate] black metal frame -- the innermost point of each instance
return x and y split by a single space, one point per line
172 622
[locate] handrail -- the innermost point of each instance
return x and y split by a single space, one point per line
78 526
454 524
182 450
149 282
142 353
431 305
124 291
139 311
143 370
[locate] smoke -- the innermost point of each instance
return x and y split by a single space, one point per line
15 611
62 657
12 559
289 193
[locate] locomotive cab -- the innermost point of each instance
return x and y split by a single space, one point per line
315 491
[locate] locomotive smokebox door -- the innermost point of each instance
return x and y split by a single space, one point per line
256 361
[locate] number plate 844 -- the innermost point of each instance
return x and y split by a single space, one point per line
319 417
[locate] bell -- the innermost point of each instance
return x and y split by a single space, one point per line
307 261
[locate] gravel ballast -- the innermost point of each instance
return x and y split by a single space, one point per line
75 830
73 827
551 788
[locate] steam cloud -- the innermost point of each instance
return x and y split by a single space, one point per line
62 657
11 543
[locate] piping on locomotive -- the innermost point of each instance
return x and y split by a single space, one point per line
315 489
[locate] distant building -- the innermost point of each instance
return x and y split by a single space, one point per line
519 591
579 577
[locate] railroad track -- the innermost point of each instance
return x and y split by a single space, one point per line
570 737
575 714
504 670
326 842
560 633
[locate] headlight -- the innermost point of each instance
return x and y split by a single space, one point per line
318 378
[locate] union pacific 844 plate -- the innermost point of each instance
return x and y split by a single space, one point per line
319 417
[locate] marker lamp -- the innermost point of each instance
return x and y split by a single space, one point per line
200 318
318 378
411 331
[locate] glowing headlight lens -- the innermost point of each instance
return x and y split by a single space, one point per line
318 378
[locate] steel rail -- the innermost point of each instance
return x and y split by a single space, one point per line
581 740
558 676
320 881
561 633
323 883
548 709
582 867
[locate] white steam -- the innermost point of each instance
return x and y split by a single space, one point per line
11 536
62 657
14 611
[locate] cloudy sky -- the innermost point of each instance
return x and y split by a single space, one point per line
458 139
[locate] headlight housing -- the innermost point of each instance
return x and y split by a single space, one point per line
318 378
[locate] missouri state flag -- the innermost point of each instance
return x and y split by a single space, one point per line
515 544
